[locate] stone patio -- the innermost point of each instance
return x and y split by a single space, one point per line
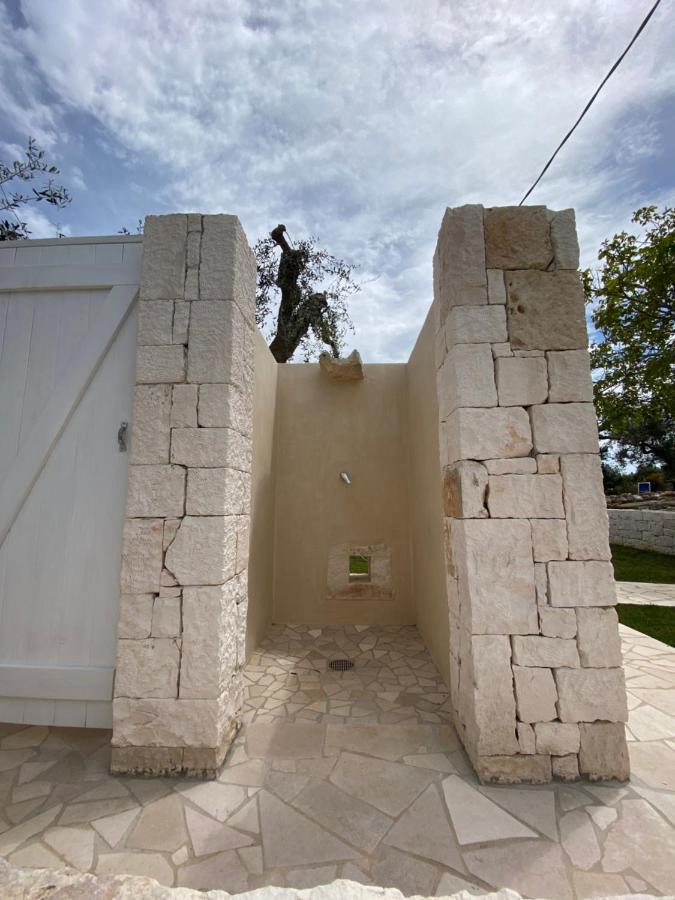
642 593
355 775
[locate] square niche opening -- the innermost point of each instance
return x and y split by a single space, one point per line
359 568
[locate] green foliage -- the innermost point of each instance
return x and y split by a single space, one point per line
656 621
30 168
633 564
633 306
318 315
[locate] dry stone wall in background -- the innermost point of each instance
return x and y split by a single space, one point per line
182 626
537 686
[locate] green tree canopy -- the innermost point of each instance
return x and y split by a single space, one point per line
633 306
32 167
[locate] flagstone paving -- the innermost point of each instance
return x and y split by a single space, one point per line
643 593
355 775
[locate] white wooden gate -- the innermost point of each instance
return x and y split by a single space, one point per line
67 357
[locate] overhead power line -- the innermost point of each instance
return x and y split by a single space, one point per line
592 100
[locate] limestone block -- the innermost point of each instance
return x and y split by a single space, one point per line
209 642
548 464
184 406
564 239
545 311
536 694
166 579
526 742
569 374
181 322
541 584
440 348
604 754
194 222
496 575
243 542
350 368
514 769
218 492
217 343
585 507
557 623
501 349
496 286
194 240
531 650
155 322
464 486
150 429
466 378
225 406
574 583
588 695
211 448
155 491
241 613
517 237
557 738
170 529
549 539
565 768
487 433
135 617
203 551
154 761
495 706
167 723
564 428
166 617
160 365
598 637
228 268
163 266
521 382
475 325
147 668
191 285
459 260
525 496
141 556
524 465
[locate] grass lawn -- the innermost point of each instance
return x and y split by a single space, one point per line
631 564
656 621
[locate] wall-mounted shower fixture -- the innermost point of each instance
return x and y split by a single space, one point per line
345 477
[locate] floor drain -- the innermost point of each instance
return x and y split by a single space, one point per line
340 665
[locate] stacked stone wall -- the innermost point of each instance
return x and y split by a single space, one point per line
182 627
646 529
537 687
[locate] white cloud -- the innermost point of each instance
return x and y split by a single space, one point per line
358 122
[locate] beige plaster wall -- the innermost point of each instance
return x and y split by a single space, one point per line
261 552
426 513
324 427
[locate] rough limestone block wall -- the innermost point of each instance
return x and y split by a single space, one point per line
182 626
537 687
647 529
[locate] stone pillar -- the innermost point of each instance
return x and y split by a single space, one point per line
537 687
182 626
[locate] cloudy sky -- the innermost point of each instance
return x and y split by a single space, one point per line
355 121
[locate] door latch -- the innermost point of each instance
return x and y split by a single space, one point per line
122 433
